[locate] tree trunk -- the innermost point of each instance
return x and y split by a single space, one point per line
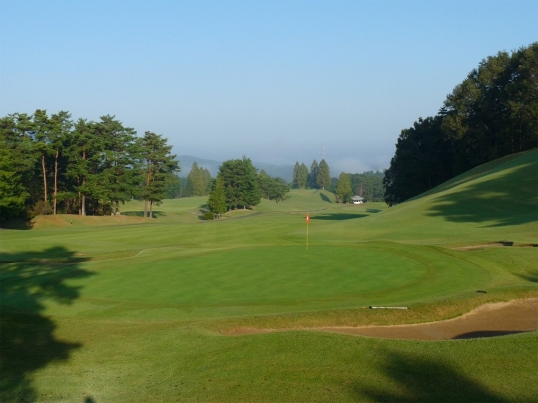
151 209
145 208
44 177
55 178
83 198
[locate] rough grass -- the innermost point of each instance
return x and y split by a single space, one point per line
130 309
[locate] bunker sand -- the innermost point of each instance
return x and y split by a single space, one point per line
493 319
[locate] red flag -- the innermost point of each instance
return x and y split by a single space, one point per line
307 218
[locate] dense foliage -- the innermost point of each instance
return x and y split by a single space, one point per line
53 164
369 185
319 176
343 190
240 181
198 182
492 113
272 188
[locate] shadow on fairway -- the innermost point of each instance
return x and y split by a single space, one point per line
324 197
531 275
506 200
156 213
373 210
18 223
338 216
421 379
487 333
27 341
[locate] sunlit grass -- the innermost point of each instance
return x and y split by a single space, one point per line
148 298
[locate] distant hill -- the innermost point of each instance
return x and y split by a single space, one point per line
185 161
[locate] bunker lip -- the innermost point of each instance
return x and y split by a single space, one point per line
492 319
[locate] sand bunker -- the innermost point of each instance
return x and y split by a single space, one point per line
494 319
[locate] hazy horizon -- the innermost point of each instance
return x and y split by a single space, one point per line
277 81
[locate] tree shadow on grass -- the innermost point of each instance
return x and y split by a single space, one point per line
17 223
156 213
421 379
324 197
373 210
27 341
510 199
338 216
530 275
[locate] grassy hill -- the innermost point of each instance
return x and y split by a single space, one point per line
130 309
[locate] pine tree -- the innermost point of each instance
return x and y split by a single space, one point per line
240 183
294 181
313 176
217 198
343 189
323 179
159 162
302 177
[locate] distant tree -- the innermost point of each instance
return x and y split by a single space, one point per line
343 189
272 188
294 182
120 167
240 183
41 144
217 198
198 182
158 163
302 177
313 176
172 186
60 130
84 155
323 179
369 185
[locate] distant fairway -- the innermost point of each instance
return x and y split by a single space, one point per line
132 309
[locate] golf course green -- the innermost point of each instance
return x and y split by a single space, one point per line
123 308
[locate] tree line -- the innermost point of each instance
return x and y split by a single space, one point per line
319 176
238 185
52 164
368 184
492 113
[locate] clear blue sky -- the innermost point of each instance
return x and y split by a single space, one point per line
273 80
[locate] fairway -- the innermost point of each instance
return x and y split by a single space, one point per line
132 309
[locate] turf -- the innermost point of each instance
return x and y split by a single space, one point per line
131 309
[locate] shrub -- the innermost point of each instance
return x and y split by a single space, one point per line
208 215
42 208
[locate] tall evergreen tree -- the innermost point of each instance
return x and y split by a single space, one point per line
302 177
158 163
121 164
323 179
294 181
60 129
240 183
313 176
217 198
343 189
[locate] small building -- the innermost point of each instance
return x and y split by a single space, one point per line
358 200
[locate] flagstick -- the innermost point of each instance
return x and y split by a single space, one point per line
307 222
306 236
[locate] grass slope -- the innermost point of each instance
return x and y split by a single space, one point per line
128 309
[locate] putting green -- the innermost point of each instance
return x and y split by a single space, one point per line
333 275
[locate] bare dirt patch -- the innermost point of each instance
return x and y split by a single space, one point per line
493 319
